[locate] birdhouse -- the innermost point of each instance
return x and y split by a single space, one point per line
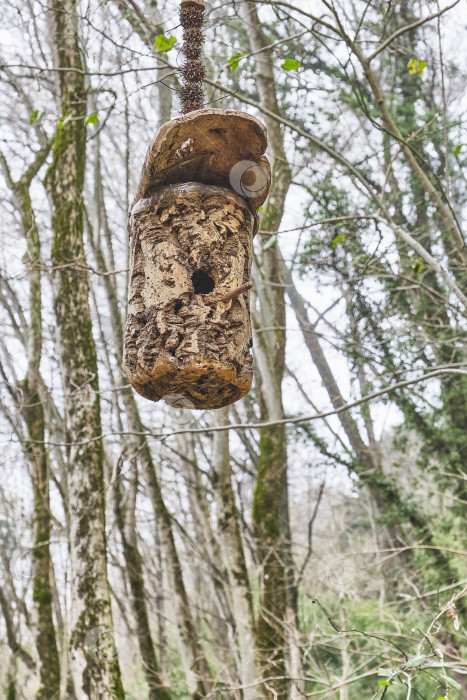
191 224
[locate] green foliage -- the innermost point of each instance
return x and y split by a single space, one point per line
234 60
37 117
163 43
337 239
291 64
91 118
416 67
63 121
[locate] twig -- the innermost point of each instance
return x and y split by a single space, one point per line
408 28
236 292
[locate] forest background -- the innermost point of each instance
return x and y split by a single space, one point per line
309 541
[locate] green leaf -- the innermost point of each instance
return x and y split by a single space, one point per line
163 43
63 121
233 60
457 149
91 118
384 683
291 64
336 240
417 267
416 66
36 116
260 209
270 242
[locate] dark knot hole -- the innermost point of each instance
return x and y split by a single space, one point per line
202 282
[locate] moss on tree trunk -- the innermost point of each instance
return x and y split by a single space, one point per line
49 668
94 661
267 501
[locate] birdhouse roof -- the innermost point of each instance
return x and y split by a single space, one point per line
211 146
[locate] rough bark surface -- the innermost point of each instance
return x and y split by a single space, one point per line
192 221
185 334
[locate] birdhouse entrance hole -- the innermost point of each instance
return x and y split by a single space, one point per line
202 282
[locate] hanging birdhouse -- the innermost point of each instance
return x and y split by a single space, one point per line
192 222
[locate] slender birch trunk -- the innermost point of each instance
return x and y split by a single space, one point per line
208 549
32 410
233 559
125 517
94 663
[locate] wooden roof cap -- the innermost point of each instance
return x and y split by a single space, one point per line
211 146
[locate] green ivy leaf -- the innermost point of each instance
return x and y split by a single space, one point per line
416 66
91 118
63 121
163 43
457 149
291 64
233 60
338 239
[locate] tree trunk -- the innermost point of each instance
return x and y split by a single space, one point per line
32 410
49 667
194 663
125 517
270 499
233 558
94 662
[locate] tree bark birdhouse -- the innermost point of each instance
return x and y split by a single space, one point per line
192 222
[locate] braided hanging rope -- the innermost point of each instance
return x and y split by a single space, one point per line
193 72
